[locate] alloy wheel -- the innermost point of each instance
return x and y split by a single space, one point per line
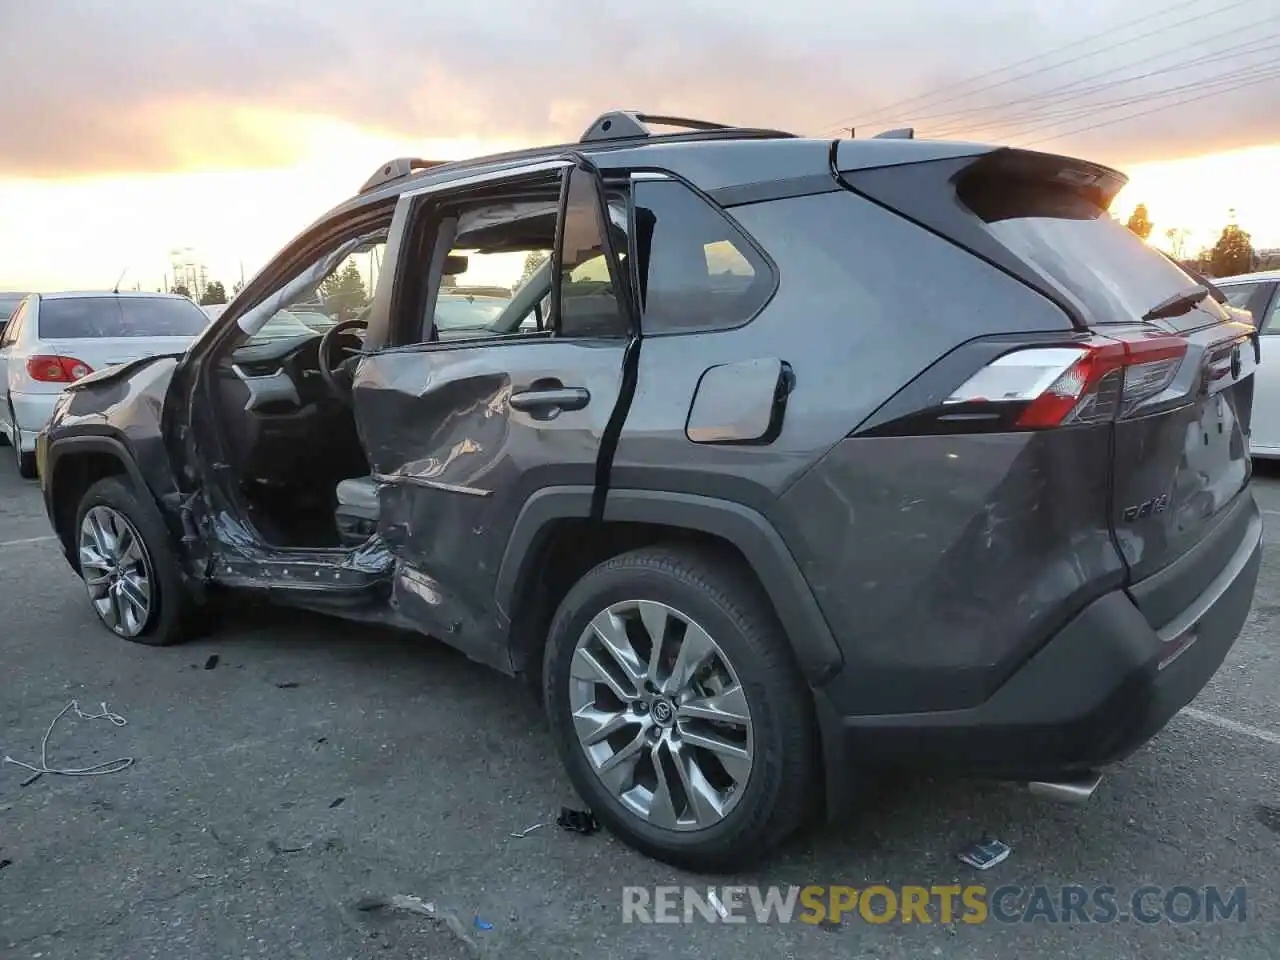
661 715
116 570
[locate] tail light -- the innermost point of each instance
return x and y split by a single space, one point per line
48 368
1100 380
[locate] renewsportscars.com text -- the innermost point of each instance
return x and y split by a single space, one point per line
972 904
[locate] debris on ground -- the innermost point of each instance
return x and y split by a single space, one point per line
98 769
5 863
986 854
423 908
337 803
287 684
211 662
578 821
277 848
526 831
482 924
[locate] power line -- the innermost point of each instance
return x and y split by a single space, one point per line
1037 118
962 126
1065 91
1227 81
1142 113
873 117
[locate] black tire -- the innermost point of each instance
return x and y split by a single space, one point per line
172 607
26 461
713 589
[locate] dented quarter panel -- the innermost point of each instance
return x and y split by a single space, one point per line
456 463
125 404
942 561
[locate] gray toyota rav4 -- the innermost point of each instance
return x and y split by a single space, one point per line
770 461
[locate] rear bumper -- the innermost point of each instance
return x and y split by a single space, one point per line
1099 689
33 412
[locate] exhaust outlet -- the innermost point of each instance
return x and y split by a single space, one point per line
1067 791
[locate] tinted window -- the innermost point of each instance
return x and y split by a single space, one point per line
589 305
699 272
81 318
1240 294
468 312
7 306
11 328
1079 247
1270 324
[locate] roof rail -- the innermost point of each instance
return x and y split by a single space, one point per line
397 168
631 124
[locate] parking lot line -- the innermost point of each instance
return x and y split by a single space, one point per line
18 543
1234 726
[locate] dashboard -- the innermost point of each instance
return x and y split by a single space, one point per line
282 423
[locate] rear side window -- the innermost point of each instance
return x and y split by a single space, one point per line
7 307
1240 294
698 271
10 329
1077 245
84 318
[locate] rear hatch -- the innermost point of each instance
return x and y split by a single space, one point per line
1162 359
79 335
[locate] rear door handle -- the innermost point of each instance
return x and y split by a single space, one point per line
548 399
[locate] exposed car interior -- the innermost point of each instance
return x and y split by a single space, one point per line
284 390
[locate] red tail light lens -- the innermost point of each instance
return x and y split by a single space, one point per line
1097 381
54 369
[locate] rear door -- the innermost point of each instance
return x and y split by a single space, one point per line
1181 402
463 429
1166 364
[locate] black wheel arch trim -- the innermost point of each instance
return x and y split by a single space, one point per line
750 532
61 446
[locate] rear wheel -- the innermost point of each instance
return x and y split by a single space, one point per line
26 461
128 567
677 708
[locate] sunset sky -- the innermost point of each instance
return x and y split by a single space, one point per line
137 126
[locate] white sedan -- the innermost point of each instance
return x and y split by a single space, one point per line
1259 293
54 339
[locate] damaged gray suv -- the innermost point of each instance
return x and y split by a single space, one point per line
767 459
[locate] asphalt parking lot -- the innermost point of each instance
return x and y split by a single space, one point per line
319 763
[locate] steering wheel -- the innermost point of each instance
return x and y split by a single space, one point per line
337 375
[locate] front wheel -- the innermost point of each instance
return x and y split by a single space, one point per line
678 709
131 573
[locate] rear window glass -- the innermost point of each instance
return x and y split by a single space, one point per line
1079 247
7 307
83 318
698 270
467 312
1240 294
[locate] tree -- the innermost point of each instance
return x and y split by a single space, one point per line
1140 221
1232 254
343 292
181 290
215 292
237 287
532 261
